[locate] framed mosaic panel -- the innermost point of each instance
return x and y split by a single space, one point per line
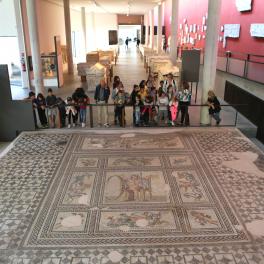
145 194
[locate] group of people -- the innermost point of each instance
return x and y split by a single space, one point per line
167 105
151 106
73 108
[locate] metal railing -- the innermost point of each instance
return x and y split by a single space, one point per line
245 65
229 114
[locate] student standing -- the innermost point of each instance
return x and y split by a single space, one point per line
184 102
173 109
51 102
137 110
114 93
120 101
41 106
214 107
163 103
71 112
170 82
126 42
83 101
62 111
32 98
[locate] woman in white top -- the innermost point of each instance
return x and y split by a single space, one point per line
168 82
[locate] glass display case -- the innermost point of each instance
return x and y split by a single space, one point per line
50 70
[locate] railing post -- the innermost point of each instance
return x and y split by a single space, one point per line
123 116
228 55
246 66
236 118
91 116
196 90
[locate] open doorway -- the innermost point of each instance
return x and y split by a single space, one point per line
132 32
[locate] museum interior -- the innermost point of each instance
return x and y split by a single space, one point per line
131 131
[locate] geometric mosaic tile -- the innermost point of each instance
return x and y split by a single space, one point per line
150 199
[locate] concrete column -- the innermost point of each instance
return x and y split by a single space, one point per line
67 19
84 28
159 44
147 30
210 56
34 44
94 36
21 42
152 29
174 30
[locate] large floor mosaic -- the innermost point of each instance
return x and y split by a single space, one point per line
193 196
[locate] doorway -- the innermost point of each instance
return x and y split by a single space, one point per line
132 32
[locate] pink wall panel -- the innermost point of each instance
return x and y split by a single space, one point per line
193 11
255 72
245 44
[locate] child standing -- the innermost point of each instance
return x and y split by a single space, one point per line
71 112
214 107
51 102
120 101
174 109
83 101
62 112
185 96
160 88
41 103
32 98
163 103
147 110
137 110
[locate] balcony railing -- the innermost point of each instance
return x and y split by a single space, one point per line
247 66
229 114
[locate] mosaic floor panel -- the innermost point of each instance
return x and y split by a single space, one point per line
188 196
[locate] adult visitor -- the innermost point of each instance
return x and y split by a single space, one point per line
138 42
126 42
170 82
101 97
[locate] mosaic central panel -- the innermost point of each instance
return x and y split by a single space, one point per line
133 190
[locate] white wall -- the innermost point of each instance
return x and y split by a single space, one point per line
50 23
103 23
7 19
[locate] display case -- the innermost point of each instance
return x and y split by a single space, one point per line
49 70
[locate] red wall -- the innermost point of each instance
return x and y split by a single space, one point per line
193 11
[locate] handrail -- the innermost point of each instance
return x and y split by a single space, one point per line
129 105
247 58
92 105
